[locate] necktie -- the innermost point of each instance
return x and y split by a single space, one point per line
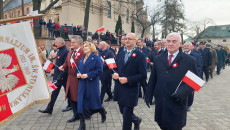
74 54
126 57
157 51
170 59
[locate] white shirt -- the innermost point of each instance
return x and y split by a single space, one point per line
75 52
174 55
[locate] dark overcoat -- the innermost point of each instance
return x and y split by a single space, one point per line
72 81
163 81
206 56
199 62
88 89
135 69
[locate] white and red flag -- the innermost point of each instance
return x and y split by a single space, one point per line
193 81
111 63
48 66
72 63
148 60
101 29
103 61
52 86
22 79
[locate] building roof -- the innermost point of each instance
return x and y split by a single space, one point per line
14 3
221 31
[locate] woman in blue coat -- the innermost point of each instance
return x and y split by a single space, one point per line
88 70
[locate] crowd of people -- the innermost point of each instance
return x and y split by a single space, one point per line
168 62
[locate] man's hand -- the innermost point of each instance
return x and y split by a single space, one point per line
176 97
78 75
61 68
115 76
84 76
151 63
123 80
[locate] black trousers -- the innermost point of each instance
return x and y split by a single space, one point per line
206 72
219 66
106 88
128 117
142 84
54 96
190 99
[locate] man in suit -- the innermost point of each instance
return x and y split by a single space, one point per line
188 49
131 68
72 82
221 58
207 59
106 76
145 51
59 76
167 73
122 48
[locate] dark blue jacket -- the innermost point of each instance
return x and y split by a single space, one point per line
199 62
163 81
88 89
60 60
135 69
145 51
107 73
206 56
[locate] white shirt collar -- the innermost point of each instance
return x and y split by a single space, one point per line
174 55
77 49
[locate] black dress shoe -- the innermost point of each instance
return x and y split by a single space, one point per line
152 103
67 109
108 99
74 118
137 125
46 111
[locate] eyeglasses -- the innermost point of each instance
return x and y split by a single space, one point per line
129 39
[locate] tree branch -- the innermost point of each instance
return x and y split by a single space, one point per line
49 7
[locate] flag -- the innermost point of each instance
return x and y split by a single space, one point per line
103 61
148 60
48 66
193 81
72 63
23 83
101 29
111 63
52 87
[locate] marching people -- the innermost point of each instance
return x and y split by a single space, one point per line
106 76
207 59
221 58
59 76
131 68
188 49
168 70
214 60
88 71
72 82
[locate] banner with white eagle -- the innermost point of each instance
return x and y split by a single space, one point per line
22 79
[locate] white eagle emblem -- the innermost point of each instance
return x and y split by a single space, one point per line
7 80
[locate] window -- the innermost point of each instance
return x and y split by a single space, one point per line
27 10
109 9
14 15
127 15
224 40
209 40
19 13
5 16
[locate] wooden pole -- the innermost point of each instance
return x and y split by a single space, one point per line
20 18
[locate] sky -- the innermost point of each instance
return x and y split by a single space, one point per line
196 10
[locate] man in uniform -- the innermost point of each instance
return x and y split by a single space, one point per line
221 58
59 76
214 60
106 76
131 68
167 73
207 59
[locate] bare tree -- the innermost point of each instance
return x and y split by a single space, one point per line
1 9
86 19
155 19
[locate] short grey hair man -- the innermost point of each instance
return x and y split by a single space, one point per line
174 34
77 38
61 40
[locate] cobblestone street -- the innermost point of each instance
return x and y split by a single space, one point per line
210 111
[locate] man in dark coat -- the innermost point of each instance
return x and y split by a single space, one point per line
106 76
122 47
214 60
131 68
188 49
72 83
221 58
59 76
207 59
145 51
167 73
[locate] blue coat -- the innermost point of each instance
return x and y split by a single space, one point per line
135 70
88 89
206 56
199 62
163 81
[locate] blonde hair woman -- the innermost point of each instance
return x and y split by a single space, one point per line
88 70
